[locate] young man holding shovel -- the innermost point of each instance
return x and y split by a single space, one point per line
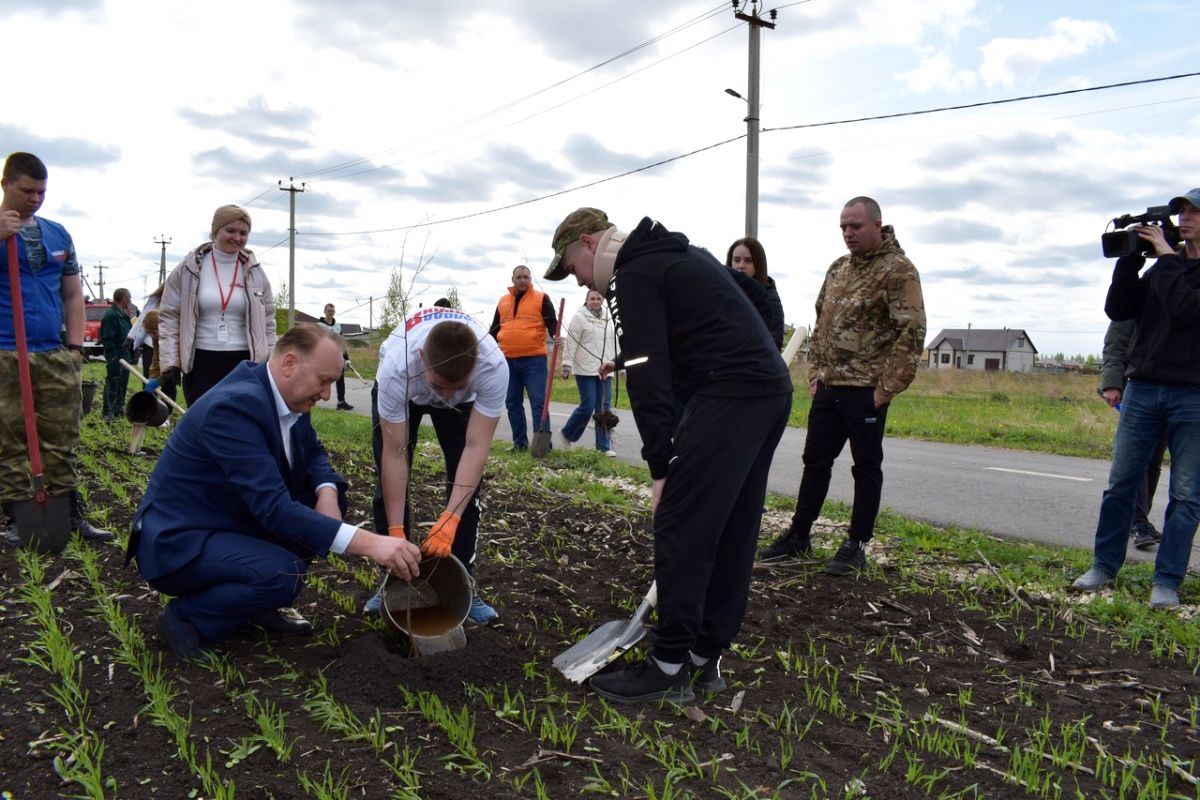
51 294
443 363
687 334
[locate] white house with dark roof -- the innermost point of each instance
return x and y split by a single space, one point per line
993 349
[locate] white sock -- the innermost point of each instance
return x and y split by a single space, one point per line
668 668
698 661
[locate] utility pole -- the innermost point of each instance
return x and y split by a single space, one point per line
755 22
162 264
101 268
291 188
371 313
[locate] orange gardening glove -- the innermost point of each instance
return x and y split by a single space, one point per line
441 535
397 531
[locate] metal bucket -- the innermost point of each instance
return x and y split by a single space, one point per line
146 409
429 611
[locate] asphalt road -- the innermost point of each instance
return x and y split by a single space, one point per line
1012 493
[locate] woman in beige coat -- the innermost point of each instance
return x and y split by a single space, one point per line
591 340
217 309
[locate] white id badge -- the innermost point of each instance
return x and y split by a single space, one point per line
222 332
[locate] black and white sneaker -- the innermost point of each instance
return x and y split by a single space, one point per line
1145 535
644 682
850 557
789 545
707 678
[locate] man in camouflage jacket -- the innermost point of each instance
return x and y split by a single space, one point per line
867 340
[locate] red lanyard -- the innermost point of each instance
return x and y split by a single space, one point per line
233 283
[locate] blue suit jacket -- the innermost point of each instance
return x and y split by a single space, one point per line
224 470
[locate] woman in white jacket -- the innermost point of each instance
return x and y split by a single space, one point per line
591 340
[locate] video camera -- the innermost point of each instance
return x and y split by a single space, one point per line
1117 243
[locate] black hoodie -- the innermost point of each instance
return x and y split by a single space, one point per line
679 308
1165 301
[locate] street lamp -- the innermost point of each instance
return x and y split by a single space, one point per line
751 163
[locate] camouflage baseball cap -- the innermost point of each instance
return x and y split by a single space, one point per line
577 223
1192 197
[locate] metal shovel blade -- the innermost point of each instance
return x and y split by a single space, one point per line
44 527
605 644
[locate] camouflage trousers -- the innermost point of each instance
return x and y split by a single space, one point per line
58 399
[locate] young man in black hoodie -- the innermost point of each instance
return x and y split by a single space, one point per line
687 332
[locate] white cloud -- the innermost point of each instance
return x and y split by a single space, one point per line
937 72
1007 59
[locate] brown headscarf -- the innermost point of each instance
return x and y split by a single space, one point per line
227 214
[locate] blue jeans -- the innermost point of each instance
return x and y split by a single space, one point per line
1147 409
526 375
594 395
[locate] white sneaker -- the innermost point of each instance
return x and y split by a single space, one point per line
610 453
563 442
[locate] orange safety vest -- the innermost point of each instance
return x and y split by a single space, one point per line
522 329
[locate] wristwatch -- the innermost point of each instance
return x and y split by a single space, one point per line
78 348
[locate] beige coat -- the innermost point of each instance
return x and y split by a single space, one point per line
590 341
177 311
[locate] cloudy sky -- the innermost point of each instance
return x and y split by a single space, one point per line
455 136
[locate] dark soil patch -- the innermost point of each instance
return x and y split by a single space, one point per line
834 681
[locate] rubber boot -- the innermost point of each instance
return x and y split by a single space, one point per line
86 529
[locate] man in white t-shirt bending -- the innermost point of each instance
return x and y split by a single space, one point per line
443 363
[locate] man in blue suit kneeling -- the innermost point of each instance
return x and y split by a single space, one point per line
243 498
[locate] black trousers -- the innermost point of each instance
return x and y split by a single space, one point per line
209 367
706 524
450 426
840 414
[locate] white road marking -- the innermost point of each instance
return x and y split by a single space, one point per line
1040 474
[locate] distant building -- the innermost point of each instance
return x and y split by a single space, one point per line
994 349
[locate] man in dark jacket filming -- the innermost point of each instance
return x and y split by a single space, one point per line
1162 393
686 333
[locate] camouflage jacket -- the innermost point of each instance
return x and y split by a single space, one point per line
870 326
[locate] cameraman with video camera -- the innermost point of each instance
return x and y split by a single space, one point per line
1162 393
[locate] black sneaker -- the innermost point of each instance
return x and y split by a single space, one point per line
344 406
1145 535
850 557
644 682
789 545
708 677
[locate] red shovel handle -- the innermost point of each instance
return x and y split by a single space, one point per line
18 310
553 362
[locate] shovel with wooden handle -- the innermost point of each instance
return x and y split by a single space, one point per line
540 444
43 521
159 393
604 645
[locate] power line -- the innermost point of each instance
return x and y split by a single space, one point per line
984 103
534 199
536 113
738 138
479 117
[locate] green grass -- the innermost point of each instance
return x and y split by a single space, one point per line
1058 414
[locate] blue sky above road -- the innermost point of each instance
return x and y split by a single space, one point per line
400 114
